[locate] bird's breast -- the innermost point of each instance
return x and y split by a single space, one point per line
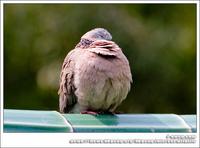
100 82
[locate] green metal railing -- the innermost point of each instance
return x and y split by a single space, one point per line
52 121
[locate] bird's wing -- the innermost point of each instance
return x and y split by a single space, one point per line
109 49
67 98
104 48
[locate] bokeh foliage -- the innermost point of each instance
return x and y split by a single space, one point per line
158 39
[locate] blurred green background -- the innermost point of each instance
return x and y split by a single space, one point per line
159 41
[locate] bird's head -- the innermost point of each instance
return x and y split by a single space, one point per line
94 35
97 34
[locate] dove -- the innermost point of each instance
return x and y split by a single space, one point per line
95 76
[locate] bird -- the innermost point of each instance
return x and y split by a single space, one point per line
95 76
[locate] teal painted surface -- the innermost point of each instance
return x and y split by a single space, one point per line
127 123
34 121
191 120
52 121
